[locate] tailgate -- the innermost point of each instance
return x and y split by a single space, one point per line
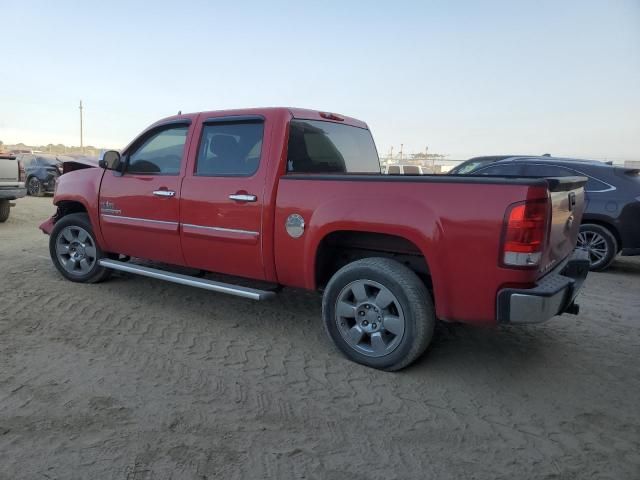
567 206
9 171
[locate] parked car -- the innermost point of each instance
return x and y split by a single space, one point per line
401 169
295 198
42 171
611 221
11 184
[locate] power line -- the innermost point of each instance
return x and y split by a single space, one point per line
81 141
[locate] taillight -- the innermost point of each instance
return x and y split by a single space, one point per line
524 233
22 176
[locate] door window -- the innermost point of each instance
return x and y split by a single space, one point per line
537 170
230 149
594 185
501 169
160 154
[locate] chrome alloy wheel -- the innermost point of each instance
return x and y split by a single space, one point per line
369 318
594 244
76 250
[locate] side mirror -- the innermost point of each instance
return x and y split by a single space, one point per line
111 160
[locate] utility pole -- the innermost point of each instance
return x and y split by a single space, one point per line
401 147
81 141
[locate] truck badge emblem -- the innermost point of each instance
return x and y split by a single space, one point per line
109 207
295 225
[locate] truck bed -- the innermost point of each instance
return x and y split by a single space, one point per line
455 222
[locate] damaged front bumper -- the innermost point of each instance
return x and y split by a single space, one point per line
47 225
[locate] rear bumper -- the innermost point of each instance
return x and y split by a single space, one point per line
553 295
12 193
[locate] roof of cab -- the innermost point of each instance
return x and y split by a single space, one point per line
300 113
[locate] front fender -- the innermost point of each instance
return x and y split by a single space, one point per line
82 187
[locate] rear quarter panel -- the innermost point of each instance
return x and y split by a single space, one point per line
456 225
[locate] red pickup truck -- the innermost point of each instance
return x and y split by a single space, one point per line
295 198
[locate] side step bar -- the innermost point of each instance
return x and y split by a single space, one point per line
245 292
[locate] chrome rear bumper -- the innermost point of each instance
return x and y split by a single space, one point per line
553 295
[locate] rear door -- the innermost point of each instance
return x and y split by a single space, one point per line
139 209
223 197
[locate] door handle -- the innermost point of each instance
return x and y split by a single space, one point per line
243 197
164 193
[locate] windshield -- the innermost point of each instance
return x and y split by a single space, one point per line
469 166
49 160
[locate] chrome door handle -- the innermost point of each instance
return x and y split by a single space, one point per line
164 193
243 197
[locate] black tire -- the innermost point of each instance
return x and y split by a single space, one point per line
410 295
591 236
34 187
5 210
81 222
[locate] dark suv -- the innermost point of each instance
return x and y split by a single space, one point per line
611 222
41 172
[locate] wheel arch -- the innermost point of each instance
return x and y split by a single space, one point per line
605 224
67 206
337 248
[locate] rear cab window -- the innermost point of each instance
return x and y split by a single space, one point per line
317 146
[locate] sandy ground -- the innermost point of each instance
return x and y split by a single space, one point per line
140 379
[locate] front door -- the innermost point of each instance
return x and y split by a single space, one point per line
222 198
139 209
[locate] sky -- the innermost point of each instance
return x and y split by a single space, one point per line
462 78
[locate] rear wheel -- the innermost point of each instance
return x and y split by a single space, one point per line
74 250
34 187
5 209
378 313
599 243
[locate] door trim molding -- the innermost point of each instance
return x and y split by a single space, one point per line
220 233
147 223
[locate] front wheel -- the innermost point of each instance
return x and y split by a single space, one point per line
34 187
378 313
599 243
74 250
